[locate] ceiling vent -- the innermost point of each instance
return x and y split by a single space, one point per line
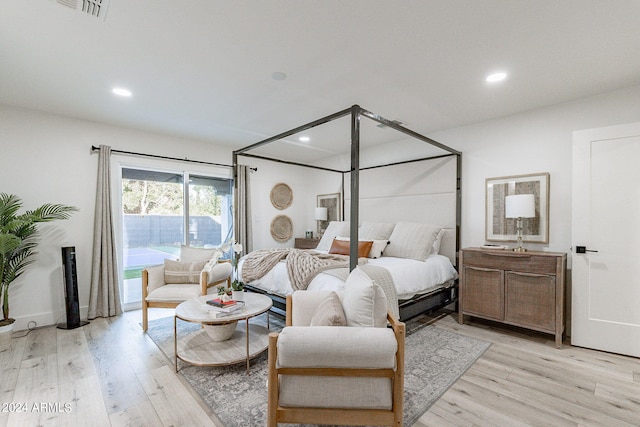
95 8
73 4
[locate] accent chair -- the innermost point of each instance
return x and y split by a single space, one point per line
344 375
169 284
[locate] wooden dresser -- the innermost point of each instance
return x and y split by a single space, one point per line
302 243
524 289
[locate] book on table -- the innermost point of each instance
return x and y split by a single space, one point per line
220 314
218 302
218 305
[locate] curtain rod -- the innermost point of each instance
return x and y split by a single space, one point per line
155 156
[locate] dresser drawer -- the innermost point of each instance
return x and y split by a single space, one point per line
511 261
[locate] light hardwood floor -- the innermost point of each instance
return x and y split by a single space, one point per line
109 373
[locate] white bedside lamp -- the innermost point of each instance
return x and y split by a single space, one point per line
320 215
520 206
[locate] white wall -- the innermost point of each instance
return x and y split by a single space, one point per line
536 141
46 158
530 142
306 184
423 191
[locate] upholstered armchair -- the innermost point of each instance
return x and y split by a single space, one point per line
345 375
169 284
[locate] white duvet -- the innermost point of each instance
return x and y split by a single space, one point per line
410 276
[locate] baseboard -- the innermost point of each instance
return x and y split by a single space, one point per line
45 319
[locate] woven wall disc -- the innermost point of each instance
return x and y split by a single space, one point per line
281 228
281 196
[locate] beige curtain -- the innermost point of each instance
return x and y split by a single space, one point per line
104 298
242 221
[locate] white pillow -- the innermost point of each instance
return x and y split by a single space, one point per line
329 312
376 248
412 240
178 272
335 228
364 302
375 230
435 248
189 254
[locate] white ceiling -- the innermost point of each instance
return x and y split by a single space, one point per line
203 68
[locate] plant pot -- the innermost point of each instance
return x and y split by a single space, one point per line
219 333
5 335
237 295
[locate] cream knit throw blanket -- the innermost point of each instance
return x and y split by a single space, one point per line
383 278
302 265
258 263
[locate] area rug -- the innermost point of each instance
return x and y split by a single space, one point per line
434 359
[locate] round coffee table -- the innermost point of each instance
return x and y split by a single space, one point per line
206 347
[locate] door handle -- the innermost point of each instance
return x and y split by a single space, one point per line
583 249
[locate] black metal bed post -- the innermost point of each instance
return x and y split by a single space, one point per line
458 203
356 113
342 192
355 186
236 214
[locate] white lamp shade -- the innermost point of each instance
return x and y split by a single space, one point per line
520 206
321 214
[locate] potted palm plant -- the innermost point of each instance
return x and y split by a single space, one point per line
18 240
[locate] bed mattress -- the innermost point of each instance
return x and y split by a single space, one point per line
411 277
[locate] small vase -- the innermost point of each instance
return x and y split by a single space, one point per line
238 295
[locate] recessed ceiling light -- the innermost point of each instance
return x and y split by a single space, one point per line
304 139
278 75
121 91
496 77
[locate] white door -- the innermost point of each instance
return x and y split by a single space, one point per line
606 222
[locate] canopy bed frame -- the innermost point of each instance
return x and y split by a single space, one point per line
409 308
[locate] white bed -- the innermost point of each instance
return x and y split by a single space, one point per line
418 264
411 277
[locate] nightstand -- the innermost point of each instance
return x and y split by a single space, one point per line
524 289
302 243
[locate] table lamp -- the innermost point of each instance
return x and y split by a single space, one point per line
320 215
520 206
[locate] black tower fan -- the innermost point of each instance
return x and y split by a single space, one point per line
71 303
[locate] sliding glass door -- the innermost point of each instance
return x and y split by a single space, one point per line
162 211
210 211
